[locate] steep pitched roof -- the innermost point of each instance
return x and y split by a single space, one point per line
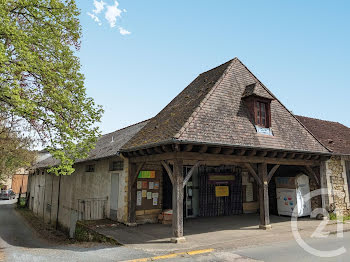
211 110
333 135
107 145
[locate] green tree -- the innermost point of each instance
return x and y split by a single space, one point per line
15 150
40 78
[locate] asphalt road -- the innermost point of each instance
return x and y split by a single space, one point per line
18 242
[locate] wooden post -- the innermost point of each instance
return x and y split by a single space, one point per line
133 172
264 197
178 195
132 196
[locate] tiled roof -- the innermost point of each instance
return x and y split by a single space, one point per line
211 110
333 135
256 89
107 145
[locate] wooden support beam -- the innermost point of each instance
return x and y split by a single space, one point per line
134 170
178 195
307 157
188 148
241 152
176 147
203 149
272 172
168 170
190 173
300 156
228 151
166 148
264 197
214 150
262 153
272 154
221 159
253 173
141 152
291 155
312 174
315 157
150 151
282 154
252 152
158 149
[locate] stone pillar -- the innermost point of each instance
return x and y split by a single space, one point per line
178 195
264 197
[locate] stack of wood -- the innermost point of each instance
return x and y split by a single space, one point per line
166 217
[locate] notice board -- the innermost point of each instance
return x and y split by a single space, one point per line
148 190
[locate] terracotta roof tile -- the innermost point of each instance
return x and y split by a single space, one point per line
333 135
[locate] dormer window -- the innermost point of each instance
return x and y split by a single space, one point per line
261 116
258 102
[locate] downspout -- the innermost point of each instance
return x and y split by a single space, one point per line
58 200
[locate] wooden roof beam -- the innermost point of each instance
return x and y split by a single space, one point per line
227 151
282 154
262 153
272 154
203 149
158 150
188 148
252 152
214 150
166 148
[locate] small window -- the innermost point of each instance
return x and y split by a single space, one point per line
261 117
116 165
90 168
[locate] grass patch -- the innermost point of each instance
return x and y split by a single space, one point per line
86 234
333 216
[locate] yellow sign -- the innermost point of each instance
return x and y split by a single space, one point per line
221 191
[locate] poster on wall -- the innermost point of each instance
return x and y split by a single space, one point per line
139 184
156 185
139 198
155 201
149 195
144 193
147 174
221 191
249 192
151 185
144 184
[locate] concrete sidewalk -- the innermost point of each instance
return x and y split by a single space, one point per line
232 232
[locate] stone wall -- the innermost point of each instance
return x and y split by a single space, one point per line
337 184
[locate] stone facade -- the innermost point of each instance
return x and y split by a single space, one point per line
337 185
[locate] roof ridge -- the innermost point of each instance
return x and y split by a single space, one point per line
205 99
263 86
330 121
126 127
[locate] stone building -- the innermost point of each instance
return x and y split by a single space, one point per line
218 148
336 137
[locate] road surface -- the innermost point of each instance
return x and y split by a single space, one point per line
18 242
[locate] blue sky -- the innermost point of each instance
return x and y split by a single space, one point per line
139 58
